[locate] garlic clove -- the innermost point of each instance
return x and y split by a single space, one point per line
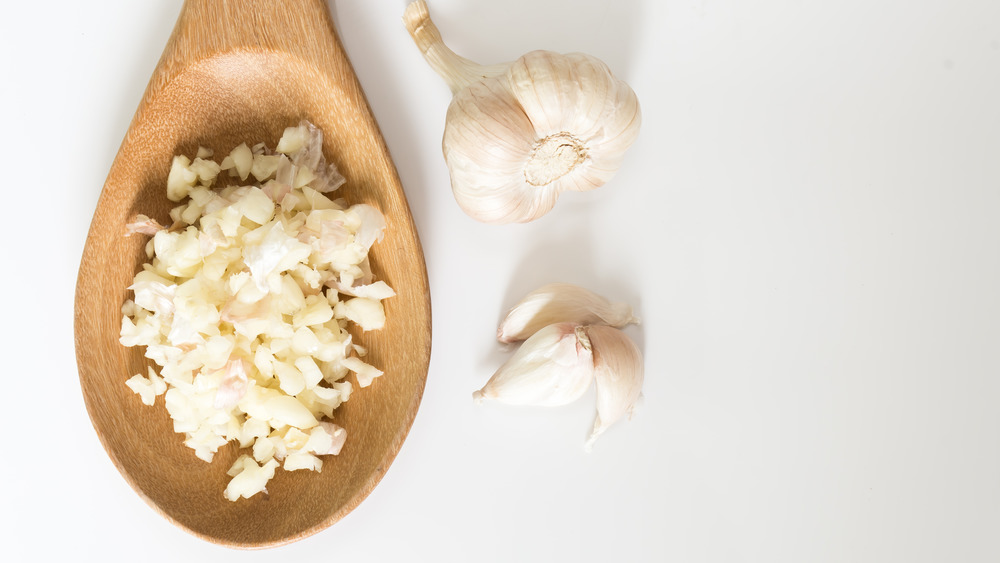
604 110
554 367
488 117
561 302
552 105
618 374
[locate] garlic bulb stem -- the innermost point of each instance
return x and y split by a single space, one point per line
457 71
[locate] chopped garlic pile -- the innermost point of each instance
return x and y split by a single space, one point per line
246 301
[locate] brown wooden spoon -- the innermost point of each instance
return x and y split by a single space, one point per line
232 72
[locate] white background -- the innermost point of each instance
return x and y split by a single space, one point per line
808 226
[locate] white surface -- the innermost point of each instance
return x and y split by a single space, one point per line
808 226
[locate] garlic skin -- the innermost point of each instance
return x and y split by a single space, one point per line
618 374
554 367
517 135
561 302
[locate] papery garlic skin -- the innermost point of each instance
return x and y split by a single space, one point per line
554 367
518 135
618 375
561 302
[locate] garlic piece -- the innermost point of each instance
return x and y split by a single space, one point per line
519 134
143 225
618 374
561 302
554 367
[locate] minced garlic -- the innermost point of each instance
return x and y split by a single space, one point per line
246 301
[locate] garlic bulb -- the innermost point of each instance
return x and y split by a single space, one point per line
618 374
519 134
554 367
561 302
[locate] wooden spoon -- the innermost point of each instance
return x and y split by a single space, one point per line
232 72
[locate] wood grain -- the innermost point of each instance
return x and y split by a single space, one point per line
241 71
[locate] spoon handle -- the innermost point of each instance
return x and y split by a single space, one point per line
209 27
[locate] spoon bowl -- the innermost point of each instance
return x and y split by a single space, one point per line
233 72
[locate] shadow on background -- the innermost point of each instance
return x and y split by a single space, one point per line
488 31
